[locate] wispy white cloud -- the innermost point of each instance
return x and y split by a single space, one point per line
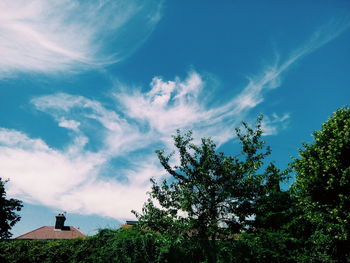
116 135
167 106
322 36
69 124
40 172
70 35
69 179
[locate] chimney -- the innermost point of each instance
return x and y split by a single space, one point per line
60 218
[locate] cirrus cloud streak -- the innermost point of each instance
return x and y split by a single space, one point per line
41 36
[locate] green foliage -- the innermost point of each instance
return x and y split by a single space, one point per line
322 188
108 246
273 207
124 245
131 245
212 196
267 247
8 209
136 245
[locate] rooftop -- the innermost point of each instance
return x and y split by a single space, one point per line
49 232
59 231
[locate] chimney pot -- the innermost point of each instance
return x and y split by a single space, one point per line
60 218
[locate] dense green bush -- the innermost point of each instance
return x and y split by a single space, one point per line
123 245
135 245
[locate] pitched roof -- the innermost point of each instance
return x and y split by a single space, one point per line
49 232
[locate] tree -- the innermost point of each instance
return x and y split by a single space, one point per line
322 188
208 195
8 209
273 207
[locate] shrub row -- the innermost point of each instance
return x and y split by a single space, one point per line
134 245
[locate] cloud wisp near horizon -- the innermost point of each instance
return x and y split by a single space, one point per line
112 178
39 36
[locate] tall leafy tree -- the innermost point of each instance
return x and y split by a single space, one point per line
8 209
208 195
322 188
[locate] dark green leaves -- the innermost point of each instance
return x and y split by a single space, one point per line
322 188
8 209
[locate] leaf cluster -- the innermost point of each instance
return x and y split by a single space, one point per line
8 212
322 186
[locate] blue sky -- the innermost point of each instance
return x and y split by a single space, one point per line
89 89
